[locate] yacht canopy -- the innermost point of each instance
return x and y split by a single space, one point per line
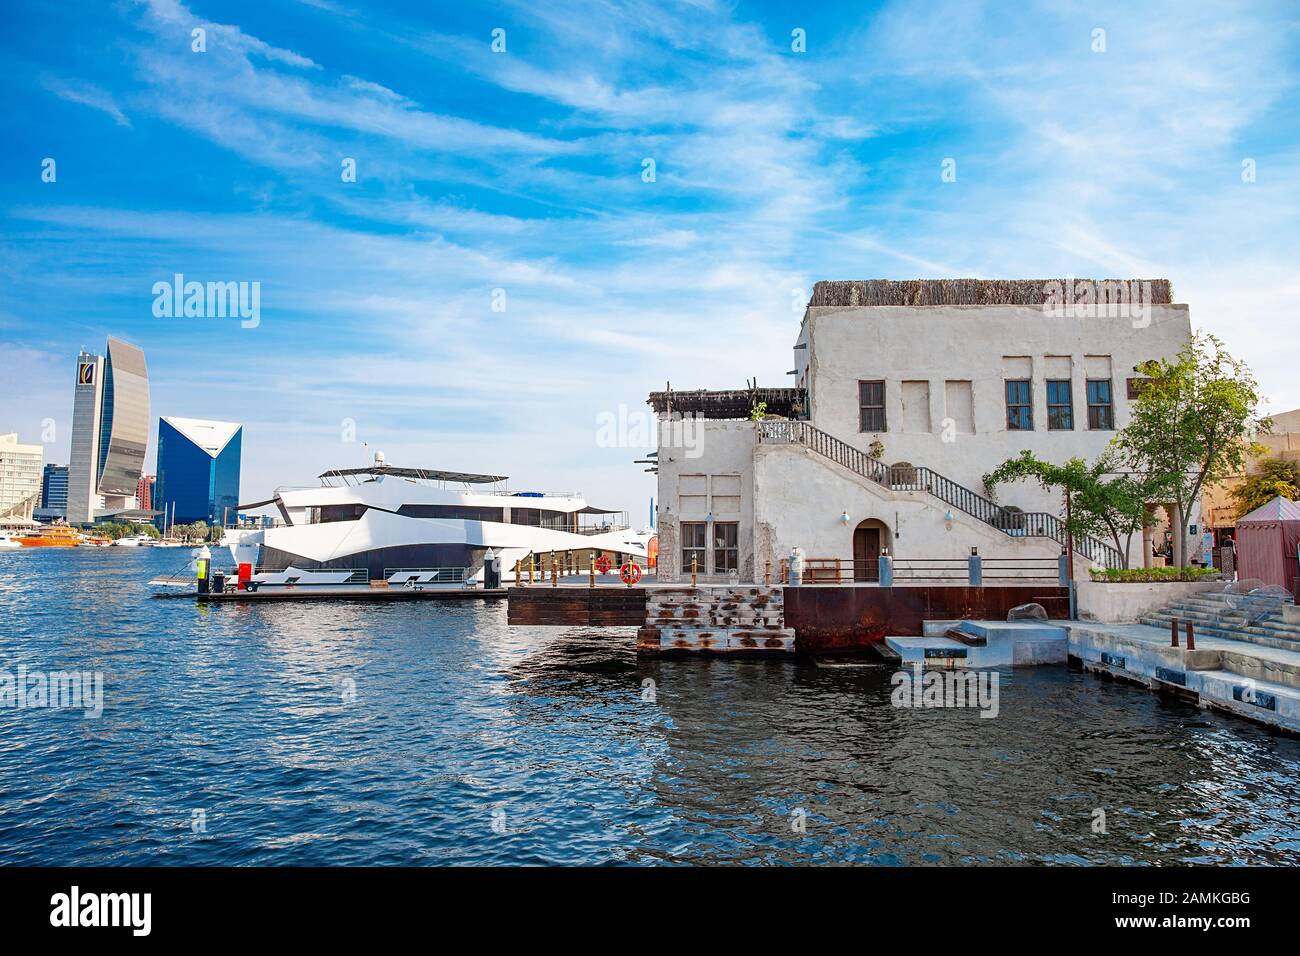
423 474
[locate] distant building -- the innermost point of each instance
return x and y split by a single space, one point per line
144 492
20 477
110 431
1217 504
54 494
198 470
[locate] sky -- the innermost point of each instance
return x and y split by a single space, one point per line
616 197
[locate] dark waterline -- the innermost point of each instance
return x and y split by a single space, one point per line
462 727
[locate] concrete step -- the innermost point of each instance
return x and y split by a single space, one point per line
1234 620
1228 621
1227 634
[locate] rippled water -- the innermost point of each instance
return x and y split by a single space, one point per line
472 742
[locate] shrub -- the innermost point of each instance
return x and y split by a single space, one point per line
1150 575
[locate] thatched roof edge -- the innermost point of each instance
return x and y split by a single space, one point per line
920 292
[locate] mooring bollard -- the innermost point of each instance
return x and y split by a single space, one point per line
1173 632
1191 638
694 569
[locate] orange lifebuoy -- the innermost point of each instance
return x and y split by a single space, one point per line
603 564
630 573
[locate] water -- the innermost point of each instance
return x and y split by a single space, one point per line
471 742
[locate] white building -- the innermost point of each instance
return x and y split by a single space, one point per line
110 431
898 413
20 476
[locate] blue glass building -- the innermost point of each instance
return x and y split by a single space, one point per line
54 489
198 471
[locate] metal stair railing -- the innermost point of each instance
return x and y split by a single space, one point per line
912 478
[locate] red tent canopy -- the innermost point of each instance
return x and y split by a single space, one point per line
1267 540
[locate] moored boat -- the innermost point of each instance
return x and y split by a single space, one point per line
422 528
58 536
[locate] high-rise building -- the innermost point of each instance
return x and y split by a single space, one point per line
198 470
54 494
144 492
110 430
20 476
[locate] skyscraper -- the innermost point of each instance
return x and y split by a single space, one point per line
20 476
198 470
110 430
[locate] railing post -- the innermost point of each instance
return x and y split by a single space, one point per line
694 570
1191 638
886 570
839 577
783 573
555 572
591 580
975 568
519 581
1063 570
767 573
1173 632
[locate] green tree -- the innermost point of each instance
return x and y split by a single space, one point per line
1102 504
1193 422
1276 476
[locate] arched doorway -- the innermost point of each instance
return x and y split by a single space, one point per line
869 537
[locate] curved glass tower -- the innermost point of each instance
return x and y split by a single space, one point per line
110 430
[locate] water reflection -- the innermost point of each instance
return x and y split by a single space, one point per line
414 732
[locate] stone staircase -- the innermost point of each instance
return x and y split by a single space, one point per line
1233 617
715 620
1018 524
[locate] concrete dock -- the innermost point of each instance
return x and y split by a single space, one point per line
1245 661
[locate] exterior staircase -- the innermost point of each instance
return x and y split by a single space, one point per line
1234 617
910 478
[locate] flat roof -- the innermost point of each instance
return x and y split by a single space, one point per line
424 474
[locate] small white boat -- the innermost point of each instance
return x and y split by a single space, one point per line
134 541
8 541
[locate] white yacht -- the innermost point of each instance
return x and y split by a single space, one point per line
134 541
418 527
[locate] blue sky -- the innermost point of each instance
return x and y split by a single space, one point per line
522 171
